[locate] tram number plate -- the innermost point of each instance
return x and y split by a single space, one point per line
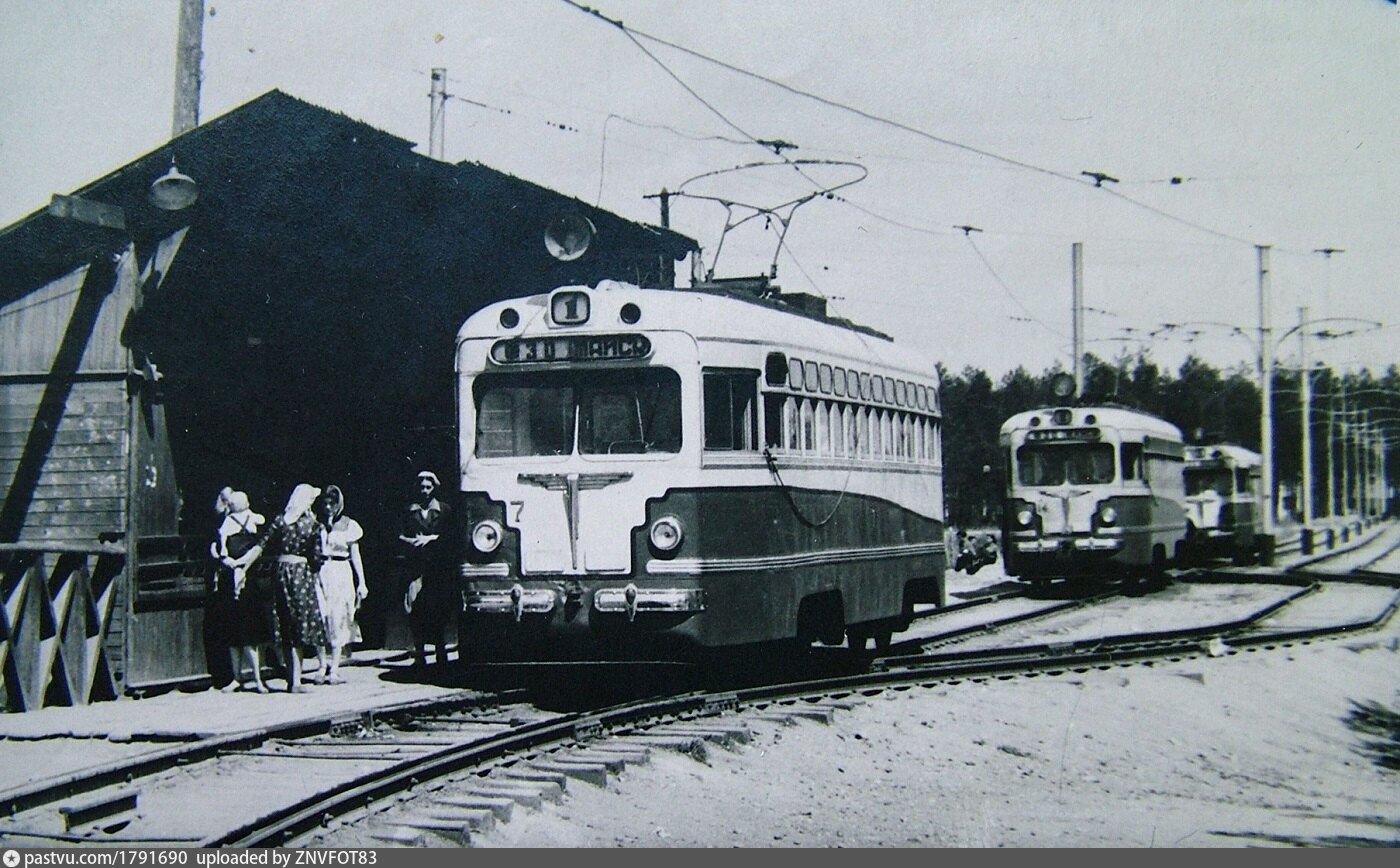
573 348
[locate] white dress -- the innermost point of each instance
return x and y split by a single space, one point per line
336 582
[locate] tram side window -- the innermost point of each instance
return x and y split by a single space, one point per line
1242 482
731 422
1132 461
773 421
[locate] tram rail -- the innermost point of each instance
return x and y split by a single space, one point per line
426 761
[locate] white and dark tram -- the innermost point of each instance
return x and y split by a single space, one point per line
649 471
1223 502
1092 491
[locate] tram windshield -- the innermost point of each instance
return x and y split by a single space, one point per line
578 411
1060 463
1203 481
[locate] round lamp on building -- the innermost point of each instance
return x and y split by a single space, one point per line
568 236
173 191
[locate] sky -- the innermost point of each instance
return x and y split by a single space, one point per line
1228 124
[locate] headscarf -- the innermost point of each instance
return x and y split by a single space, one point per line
334 500
222 505
302 497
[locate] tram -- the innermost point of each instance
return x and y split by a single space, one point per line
1223 501
658 471
1092 491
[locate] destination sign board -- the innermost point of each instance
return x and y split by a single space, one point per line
1064 435
570 348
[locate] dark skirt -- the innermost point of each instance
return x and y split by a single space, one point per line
242 621
438 605
297 615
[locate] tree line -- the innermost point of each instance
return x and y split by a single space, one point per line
1208 405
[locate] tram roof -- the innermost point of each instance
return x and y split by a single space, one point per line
1237 456
709 314
1113 417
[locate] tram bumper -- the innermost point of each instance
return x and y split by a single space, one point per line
632 600
1067 545
578 617
515 600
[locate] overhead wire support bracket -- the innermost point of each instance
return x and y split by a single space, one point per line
1100 178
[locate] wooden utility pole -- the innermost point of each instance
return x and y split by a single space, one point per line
189 54
668 267
436 121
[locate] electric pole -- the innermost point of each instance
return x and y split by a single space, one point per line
1305 396
1077 316
1266 398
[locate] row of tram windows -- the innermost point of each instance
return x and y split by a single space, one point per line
638 411
813 425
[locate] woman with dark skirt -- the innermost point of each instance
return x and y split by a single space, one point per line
241 608
294 538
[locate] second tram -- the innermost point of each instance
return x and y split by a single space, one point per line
1092 491
1222 501
650 471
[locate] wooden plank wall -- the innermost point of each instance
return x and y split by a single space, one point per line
63 408
63 483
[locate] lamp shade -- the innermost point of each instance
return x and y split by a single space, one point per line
173 191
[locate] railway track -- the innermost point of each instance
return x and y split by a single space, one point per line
440 773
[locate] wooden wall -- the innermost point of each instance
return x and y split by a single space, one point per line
86 484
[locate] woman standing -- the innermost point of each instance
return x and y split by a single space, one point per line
432 601
242 609
295 538
342 577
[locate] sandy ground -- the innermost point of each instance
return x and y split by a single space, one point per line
1232 751
1243 750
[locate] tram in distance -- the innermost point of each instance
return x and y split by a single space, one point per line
1223 503
649 471
1091 491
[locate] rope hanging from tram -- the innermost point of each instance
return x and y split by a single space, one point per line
797 510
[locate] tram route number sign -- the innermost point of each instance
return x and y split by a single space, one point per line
570 348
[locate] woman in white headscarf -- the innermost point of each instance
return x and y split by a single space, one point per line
342 576
295 538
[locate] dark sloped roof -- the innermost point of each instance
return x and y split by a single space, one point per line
278 167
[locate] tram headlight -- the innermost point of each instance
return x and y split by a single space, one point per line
486 536
1025 517
665 533
1108 516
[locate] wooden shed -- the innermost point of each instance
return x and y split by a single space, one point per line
295 323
